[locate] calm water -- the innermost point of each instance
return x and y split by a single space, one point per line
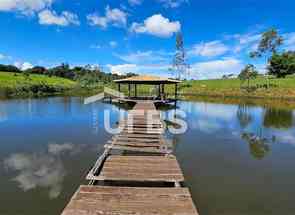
237 159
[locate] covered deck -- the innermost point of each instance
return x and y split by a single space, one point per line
158 82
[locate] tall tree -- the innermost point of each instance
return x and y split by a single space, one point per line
180 66
269 43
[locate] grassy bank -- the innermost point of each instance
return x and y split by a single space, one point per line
16 84
259 88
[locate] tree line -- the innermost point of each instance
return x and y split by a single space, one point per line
86 75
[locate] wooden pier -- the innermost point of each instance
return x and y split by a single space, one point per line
144 179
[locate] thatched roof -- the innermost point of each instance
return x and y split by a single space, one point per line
147 79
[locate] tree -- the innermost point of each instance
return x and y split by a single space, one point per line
268 44
283 64
248 73
180 67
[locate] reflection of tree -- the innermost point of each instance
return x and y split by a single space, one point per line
278 118
244 116
258 145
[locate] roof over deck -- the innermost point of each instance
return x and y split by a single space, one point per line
147 79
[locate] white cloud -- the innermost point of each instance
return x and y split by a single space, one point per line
156 25
140 57
2 56
152 69
216 69
172 3
23 66
115 17
245 41
135 2
122 68
57 149
24 6
113 44
209 49
47 17
289 42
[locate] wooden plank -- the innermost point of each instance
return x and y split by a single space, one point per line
141 168
154 150
104 200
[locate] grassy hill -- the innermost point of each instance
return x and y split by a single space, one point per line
16 84
260 88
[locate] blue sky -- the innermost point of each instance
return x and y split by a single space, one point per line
139 35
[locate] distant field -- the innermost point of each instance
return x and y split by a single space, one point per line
279 88
16 84
11 81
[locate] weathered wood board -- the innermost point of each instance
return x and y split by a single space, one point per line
141 168
103 200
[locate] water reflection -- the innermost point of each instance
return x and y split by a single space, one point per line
278 118
43 169
259 146
244 116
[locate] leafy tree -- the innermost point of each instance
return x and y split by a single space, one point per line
248 73
283 64
180 66
269 43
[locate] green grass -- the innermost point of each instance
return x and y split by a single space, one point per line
283 87
11 80
16 84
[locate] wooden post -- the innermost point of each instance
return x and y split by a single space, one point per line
135 90
163 91
129 90
159 91
176 89
119 87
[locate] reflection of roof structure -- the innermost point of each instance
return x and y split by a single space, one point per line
147 79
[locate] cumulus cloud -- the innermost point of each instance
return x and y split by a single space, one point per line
245 41
156 25
209 49
289 42
173 3
152 69
48 17
135 2
115 17
216 68
122 69
23 66
24 6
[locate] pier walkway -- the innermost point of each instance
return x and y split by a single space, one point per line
143 179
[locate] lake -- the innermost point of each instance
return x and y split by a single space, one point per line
237 159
